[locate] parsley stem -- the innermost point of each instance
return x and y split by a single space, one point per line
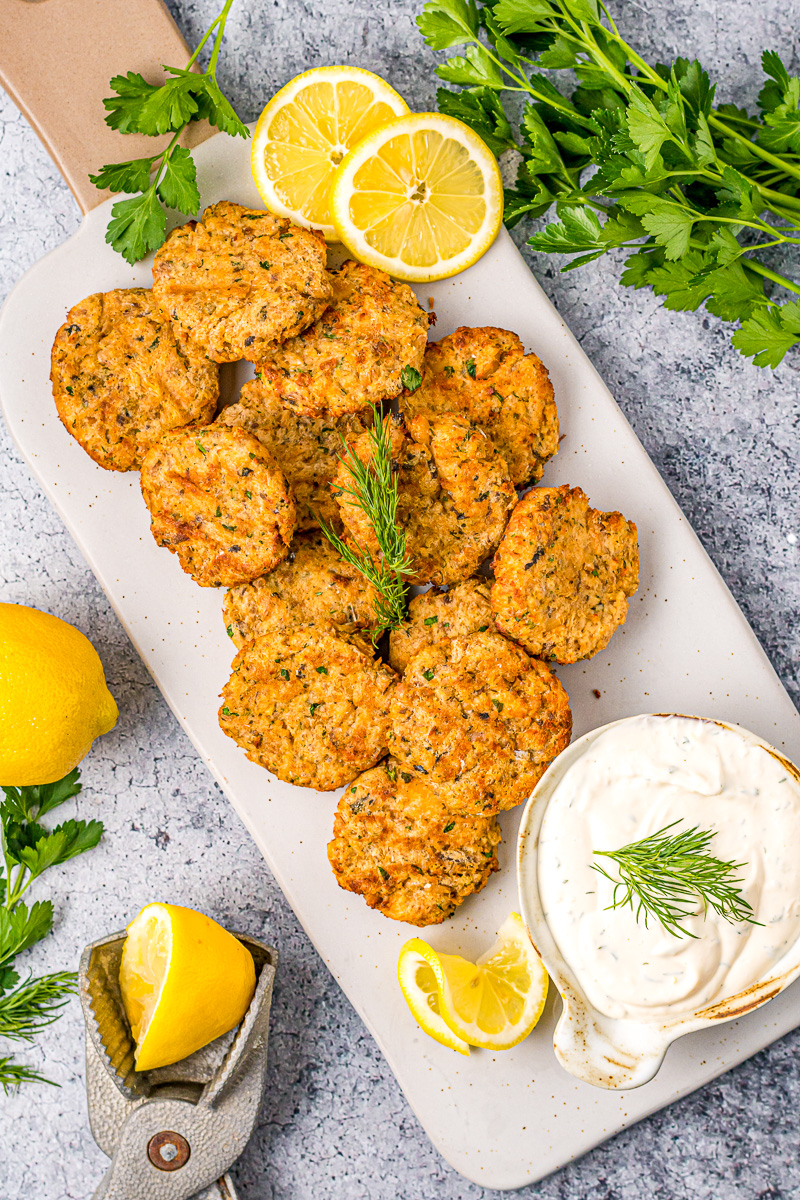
785 167
754 265
221 20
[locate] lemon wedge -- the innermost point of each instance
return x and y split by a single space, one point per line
184 981
420 197
306 130
419 974
493 1004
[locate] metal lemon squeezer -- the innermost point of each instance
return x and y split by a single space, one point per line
171 1133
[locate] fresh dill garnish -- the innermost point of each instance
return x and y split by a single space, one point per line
665 874
373 489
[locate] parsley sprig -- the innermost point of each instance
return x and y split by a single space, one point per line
168 177
373 488
666 874
28 850
637 158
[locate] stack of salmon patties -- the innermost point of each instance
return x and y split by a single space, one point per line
458 720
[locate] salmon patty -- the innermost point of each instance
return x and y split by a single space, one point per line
239 280
309 706
460 610
313 586
563 574
121 379
485 374
218 501
396 844
355 354
478 721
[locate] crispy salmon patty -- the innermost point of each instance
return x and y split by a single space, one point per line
396 844
218 501
121 379
563 574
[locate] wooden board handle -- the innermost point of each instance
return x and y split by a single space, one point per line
56 58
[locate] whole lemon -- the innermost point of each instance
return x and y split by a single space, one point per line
53 697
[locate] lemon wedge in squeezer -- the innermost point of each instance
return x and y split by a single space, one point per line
184 981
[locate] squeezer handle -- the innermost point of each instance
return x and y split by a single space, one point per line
56 60
223 1189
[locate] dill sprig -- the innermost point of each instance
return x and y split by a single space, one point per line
373 489
35 1003
665 874
12 1074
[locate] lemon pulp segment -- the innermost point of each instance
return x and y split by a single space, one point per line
143 968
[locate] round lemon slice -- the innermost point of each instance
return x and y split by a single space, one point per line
306 130
419 974
184 981
421 197
494 1003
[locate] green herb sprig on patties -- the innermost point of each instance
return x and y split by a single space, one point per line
637 158
373 488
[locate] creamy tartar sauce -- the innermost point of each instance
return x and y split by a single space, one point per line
633 780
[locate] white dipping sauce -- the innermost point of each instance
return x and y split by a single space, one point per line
631 781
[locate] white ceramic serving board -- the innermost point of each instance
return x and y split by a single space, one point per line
502 1120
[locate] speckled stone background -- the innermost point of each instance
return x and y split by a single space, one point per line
726 438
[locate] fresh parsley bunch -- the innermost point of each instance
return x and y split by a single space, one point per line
28 850
636 157
168 177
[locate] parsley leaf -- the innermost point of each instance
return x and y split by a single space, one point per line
133 176
177 187
769 334
410 378
138 225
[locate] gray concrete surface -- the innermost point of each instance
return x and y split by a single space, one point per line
724 436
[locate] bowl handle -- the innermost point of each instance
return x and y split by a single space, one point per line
608 1053
56 58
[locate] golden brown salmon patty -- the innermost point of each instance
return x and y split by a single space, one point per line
314 586
355 354
239 279
307 448
485 374
121 380
436 614
396 844
479 721
309 706
563 574
455 496
218 501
